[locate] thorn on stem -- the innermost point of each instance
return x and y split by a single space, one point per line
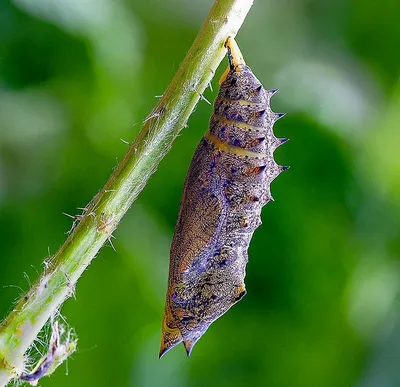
69 216
110 241
203 98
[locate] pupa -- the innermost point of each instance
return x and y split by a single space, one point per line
226 187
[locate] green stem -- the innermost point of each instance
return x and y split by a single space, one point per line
19 330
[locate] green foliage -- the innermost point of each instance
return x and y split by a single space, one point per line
322 280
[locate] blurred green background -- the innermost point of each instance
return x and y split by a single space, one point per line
323 279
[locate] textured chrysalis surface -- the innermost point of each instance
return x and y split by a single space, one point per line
227 185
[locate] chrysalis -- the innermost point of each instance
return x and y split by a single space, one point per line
227 185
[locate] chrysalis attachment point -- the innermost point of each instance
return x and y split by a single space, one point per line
234 54
235 58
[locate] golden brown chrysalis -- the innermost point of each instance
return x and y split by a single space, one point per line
227 185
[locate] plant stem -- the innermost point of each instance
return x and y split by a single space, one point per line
19 330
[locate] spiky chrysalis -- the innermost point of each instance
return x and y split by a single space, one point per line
227 185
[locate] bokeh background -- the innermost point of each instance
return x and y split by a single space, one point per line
323 280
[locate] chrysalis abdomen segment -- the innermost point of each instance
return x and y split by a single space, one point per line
227 184
241 127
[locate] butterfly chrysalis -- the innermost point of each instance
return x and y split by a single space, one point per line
227 185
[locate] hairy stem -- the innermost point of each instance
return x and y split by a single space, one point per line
20 328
